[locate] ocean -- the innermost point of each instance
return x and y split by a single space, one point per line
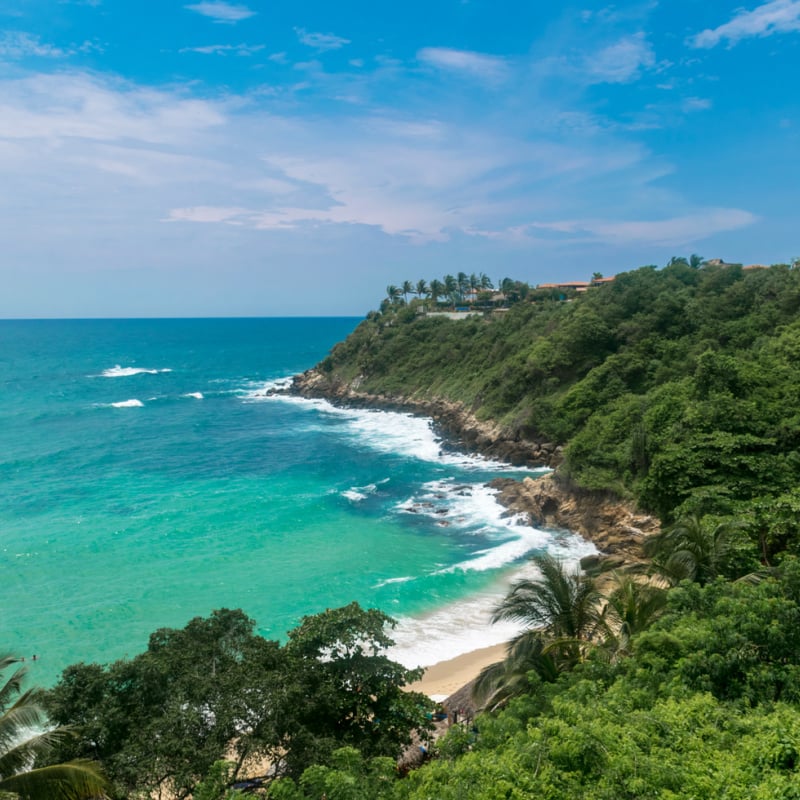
147 476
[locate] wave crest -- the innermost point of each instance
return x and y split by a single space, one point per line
126 372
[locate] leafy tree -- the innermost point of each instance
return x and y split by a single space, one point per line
22 752
350 777
692 549
160 721
214 690
347 691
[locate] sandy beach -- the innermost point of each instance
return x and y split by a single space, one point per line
446 677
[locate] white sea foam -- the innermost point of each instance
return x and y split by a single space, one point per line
195 395
472 509
389 581
358 493
392 432
504 542
134 403
126 372
466 625
262 391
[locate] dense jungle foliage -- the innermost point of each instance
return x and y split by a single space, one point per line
158 723
677 387
706 706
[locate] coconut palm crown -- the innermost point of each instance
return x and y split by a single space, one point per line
25 743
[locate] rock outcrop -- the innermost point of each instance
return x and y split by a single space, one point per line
457 424
616 528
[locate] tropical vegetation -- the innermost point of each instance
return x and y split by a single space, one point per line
215 690
26 743
675 388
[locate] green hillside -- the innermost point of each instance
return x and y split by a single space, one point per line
676 387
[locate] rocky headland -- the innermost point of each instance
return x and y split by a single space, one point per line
614 526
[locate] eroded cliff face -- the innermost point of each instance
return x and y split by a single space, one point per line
460 427
615 527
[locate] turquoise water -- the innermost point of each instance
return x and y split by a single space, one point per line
147 477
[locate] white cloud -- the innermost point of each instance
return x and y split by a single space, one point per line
485 67
103 165
206 214
695 104
672 231
225 49
17 44
321 41
622 61
777 16
56 107
222 12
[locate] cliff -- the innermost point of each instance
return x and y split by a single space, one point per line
614 526
453 420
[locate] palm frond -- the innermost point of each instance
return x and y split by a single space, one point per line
75 780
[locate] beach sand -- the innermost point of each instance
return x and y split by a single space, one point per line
446 677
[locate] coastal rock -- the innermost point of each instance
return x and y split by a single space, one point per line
615 527
455 422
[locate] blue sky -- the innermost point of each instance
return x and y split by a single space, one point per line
162 158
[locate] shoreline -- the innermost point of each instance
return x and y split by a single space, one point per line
444 678
613 526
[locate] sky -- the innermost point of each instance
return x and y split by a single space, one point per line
276 158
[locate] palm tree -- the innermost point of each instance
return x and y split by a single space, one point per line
451 288
563 617
21 750
486 282
392 293
463 284
691 550
564 605
422 287
437 290
696 261
631 607
499 682
408 288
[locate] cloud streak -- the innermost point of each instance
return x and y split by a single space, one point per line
225 49
622 61
777 16
479 66
674 231
226 13
321 41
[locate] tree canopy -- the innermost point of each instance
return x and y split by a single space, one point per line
158 723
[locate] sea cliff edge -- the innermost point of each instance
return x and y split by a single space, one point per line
614 526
